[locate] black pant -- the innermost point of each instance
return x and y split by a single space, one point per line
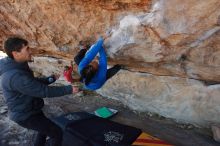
80 55
45 127
110 72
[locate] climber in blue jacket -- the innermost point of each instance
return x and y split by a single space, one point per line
94 74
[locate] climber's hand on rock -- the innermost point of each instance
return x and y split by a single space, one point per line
107 34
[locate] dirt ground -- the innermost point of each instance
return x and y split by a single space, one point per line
177 134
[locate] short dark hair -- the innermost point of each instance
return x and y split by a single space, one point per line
14 44
87 74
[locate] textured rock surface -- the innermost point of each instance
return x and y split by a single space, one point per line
56 26
185 100
174 38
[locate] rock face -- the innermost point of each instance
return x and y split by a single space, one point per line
55 27
185 100
175 45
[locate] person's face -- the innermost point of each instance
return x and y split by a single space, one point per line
95 65
24 55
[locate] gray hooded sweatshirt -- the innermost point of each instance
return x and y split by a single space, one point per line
23 92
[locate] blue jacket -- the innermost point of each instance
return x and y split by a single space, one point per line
23 92
100 77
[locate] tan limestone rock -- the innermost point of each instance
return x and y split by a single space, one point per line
174 43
